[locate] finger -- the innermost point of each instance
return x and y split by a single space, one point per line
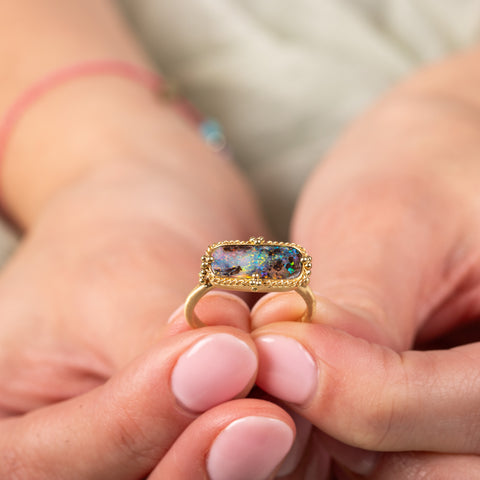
370 396
315 464
215 308
356 460
380 246
289 307
123 428
39 366
294 463
303 428
240 440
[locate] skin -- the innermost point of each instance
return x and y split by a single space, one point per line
86 351
388 218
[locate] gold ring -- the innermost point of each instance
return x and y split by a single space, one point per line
253 266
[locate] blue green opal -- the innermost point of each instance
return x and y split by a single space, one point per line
269 261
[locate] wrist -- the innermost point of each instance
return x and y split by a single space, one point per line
165 175
136 203
74 128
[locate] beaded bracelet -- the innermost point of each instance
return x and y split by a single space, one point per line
209 129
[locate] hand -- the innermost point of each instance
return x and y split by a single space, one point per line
88 292
146 417
119 197
390 220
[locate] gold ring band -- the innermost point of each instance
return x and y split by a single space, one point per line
253 266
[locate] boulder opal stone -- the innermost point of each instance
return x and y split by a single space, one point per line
272 262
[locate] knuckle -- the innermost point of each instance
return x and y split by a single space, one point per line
130 437
382 410
373 429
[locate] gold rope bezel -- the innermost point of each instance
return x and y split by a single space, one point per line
255 283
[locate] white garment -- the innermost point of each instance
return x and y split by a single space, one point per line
284 77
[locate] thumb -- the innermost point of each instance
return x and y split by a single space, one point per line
122 429
369 396
383 258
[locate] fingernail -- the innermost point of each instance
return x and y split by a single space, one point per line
249 449
286 370
216 369
303 428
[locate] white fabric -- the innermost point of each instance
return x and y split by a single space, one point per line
284 77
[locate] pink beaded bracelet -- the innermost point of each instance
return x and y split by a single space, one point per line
150 79
209 129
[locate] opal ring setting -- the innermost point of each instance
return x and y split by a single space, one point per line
256 265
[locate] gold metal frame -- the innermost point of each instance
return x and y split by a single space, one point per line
209 280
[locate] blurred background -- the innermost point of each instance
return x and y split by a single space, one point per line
285 77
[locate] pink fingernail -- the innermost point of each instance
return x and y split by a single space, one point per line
216 369
249 449
286 370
